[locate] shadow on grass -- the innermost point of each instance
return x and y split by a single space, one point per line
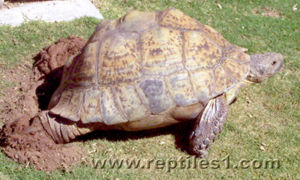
180 131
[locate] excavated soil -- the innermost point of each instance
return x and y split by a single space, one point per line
22 137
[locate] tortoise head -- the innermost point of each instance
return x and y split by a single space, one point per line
263 66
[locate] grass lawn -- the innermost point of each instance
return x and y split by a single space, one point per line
264 122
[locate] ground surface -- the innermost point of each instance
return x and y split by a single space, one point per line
263 123
23 137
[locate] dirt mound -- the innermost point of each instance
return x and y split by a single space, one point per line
23 138
56 55
26 141
50 62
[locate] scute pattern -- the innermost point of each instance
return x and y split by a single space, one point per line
157 96
90 111
110 109
132 21
222 80
204 84
68 105
231 67
82 71
144 64
104 29
199 51
215 36
161 50
178 20
119 59
132 105
235 54
181 89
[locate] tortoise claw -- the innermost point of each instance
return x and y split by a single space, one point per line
199 152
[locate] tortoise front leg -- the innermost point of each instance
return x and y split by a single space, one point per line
61 130
208 125
232 93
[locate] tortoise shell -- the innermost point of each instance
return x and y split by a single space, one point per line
144 64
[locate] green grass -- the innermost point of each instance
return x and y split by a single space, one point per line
266 113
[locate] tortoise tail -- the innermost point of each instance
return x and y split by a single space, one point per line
61 130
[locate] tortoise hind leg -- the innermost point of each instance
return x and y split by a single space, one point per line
208 125
61 130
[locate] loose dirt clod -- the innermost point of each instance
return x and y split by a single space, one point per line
23 138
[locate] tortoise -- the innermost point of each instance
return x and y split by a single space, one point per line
148 70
